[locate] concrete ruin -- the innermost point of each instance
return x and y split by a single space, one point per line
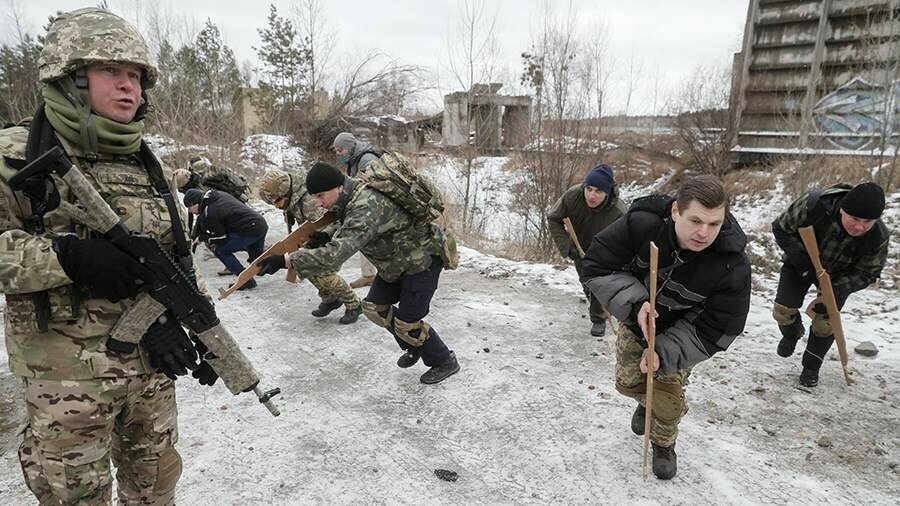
484 119
817 78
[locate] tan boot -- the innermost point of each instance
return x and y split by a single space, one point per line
362 282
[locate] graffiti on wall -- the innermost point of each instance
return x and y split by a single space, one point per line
857 115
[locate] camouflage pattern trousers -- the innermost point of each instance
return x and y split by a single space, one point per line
669 402
333 287
74 427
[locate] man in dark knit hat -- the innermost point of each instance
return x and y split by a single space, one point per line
407 255
853 247
592 206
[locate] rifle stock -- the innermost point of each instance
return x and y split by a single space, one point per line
808 236
291 242
570 229
651 345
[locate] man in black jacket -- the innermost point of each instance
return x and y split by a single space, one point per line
703 297
228 225
853 248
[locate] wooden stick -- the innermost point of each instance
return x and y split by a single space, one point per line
651 342
808 235
292 242
571 230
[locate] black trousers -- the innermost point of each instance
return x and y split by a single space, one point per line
792 288
412 295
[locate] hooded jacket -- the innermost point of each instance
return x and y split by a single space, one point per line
703 297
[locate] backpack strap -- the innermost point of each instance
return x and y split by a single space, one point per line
154 171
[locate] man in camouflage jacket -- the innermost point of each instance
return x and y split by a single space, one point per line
406 254
88 396
287 191
853 248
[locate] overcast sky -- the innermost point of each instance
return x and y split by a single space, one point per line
671 37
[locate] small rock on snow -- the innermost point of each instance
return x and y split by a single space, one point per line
866 349
446 475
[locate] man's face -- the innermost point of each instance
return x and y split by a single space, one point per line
854 226
326 199
194 209
341 151
697 226
114 90
594 196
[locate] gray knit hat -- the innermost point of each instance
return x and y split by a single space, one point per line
344 140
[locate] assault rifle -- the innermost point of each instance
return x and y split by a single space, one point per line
174 290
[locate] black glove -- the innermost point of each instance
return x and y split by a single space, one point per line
573 254
204 373
271 264
317 240
101 268
170 348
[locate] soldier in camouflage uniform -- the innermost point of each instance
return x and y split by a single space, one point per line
702 301
408 258
202 175
853 248
287 191
90 397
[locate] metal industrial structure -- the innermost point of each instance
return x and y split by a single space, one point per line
817 77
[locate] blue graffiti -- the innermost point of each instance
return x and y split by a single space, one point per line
856 115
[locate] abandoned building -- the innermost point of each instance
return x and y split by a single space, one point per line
484 119
817 78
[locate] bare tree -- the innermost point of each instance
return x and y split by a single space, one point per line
700 105
312 25
634 72
472 55
599 63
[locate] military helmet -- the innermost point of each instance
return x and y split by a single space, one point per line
91 35
274 186
182 177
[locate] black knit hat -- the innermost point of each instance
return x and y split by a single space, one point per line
323 177
192 196
865 200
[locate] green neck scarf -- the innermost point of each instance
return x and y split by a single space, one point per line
83 128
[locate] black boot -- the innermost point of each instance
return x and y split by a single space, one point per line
598 329
809 377
249 285
665 462
441 372
638 419
325 308
409 358
790 334
350 315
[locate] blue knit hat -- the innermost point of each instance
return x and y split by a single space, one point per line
192 196
600 177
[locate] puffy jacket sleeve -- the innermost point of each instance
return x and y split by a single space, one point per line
712 327
606 273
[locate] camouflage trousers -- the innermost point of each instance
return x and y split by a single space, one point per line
669 402
75 426
333 287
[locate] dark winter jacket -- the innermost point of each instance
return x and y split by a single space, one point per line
362 154
852 262
587 222
703 297
222 214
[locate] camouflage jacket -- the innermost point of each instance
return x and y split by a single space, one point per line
302 207
74 347
370 222
852 262
587 222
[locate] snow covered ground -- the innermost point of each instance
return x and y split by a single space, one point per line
532 418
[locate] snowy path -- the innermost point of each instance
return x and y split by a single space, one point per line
532 418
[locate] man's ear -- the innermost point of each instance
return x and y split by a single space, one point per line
674 208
